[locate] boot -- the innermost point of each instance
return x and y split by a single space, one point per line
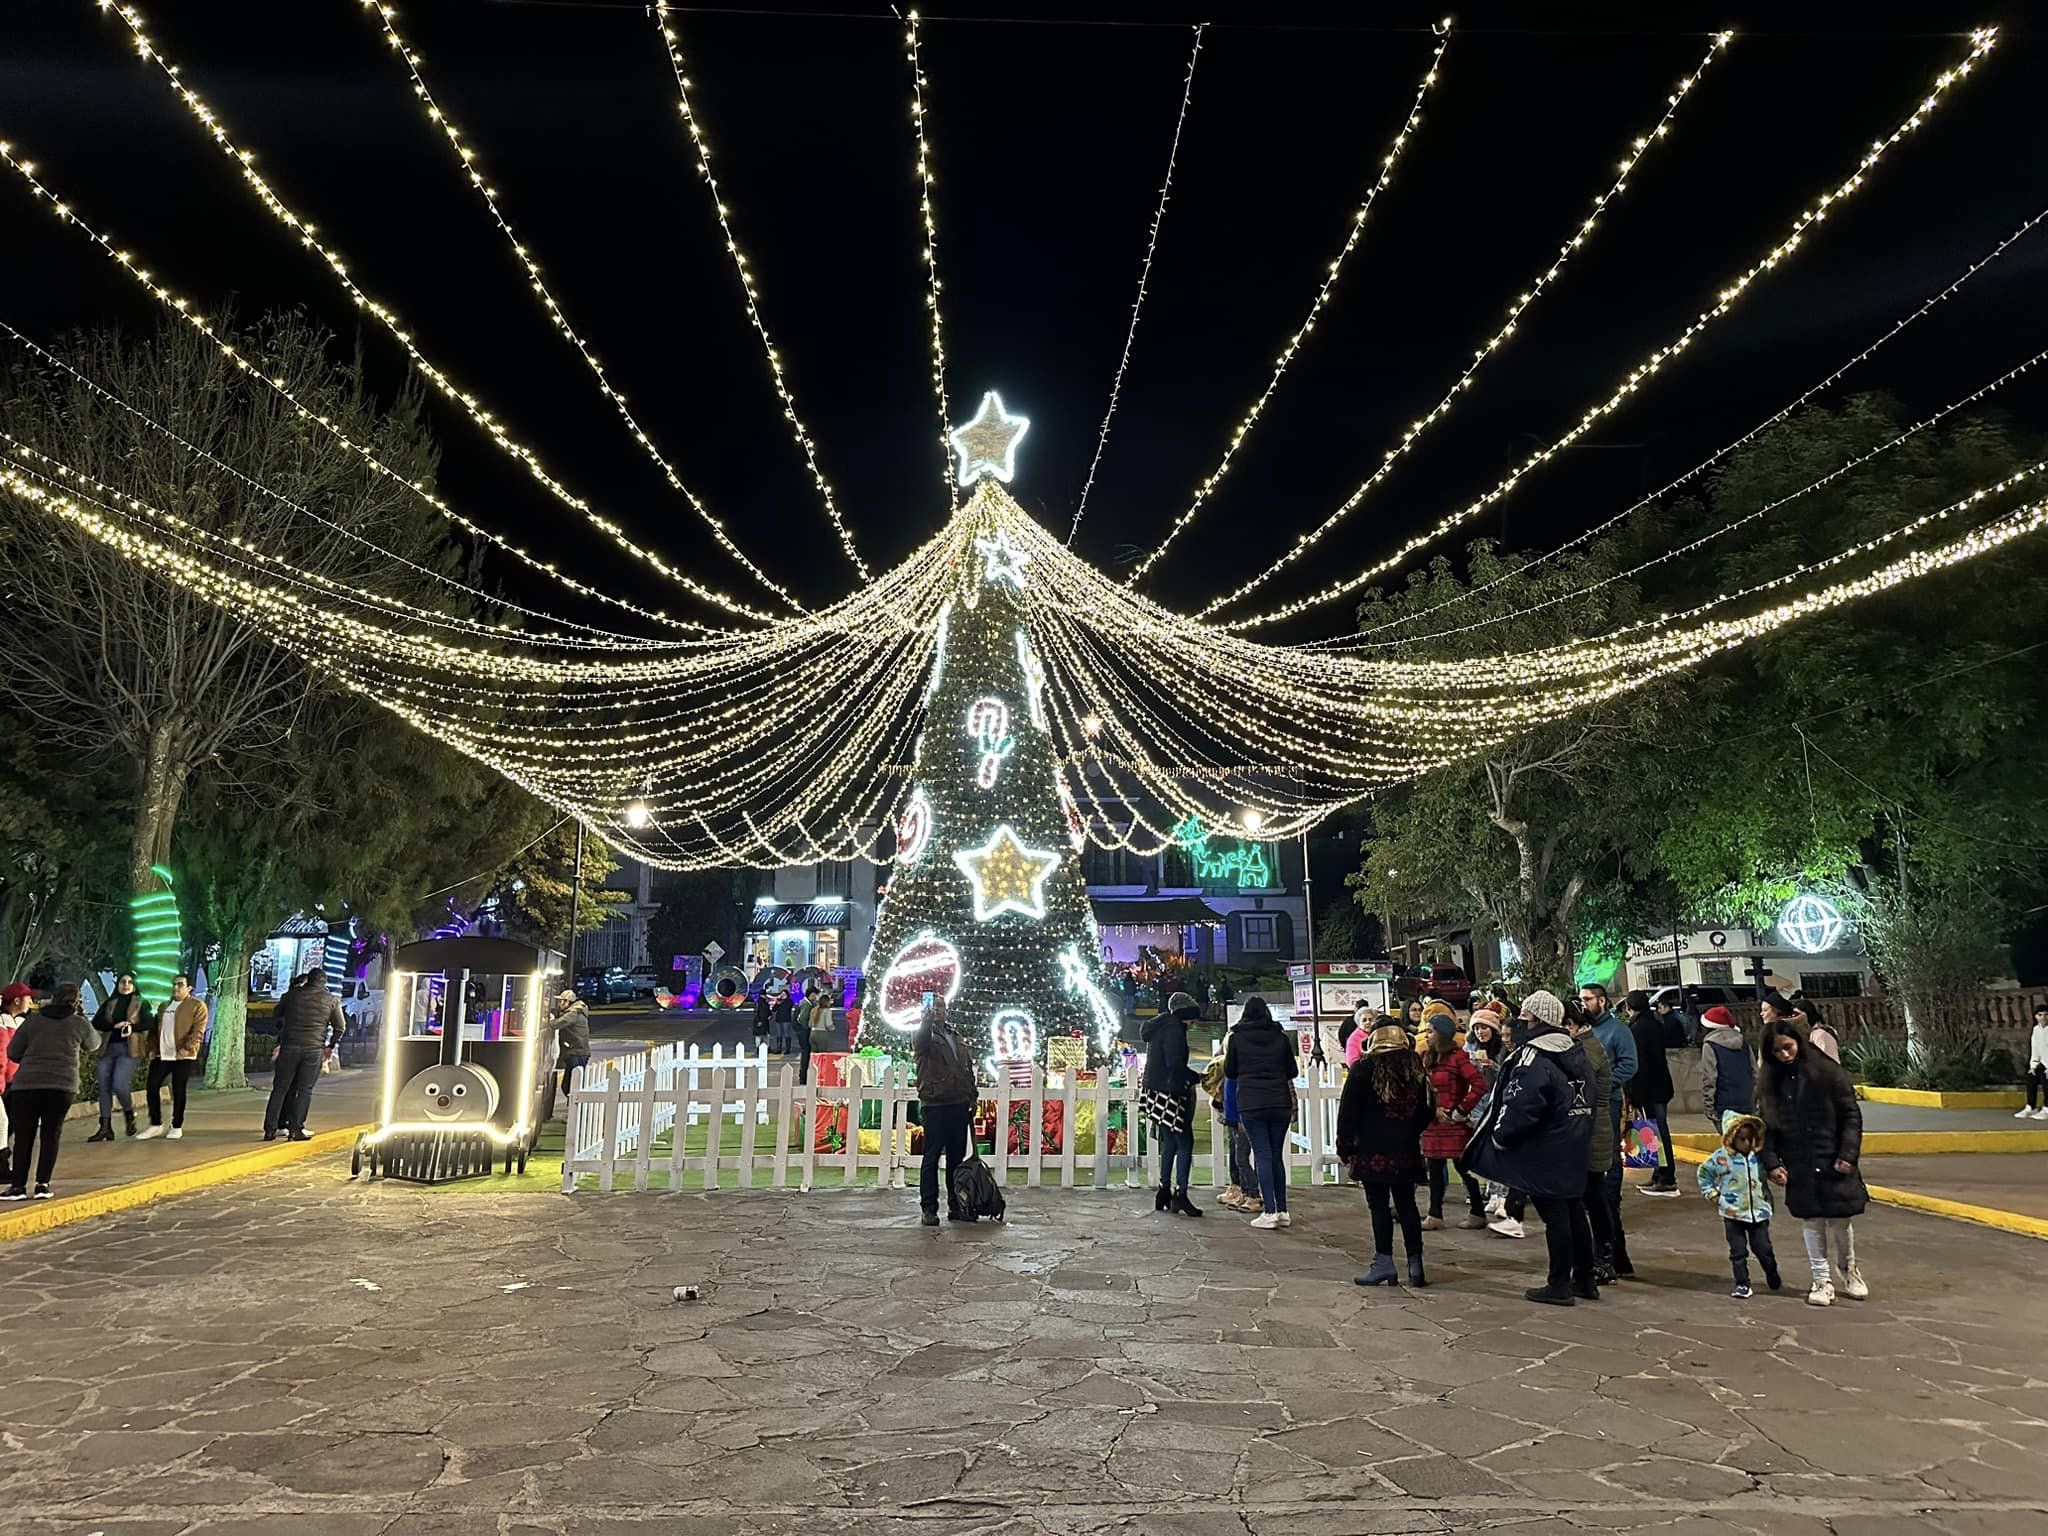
1381 1273
105 1132
1603 1266
1415 1275
1181 1205
128 1122
1586 1290
1164 1200
1551 1296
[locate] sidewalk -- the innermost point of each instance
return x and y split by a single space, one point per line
216 1125
2016 1182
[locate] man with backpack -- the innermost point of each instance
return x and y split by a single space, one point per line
946 1093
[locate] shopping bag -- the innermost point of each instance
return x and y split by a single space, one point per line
1642 1146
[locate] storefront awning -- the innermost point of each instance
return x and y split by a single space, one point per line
798 914
1159 912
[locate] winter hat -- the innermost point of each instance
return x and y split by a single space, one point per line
1437 1005
1179 1001
1718 1017
1544 1008
1445 1029
15 989
1387 1039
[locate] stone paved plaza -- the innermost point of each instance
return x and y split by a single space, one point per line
296 1354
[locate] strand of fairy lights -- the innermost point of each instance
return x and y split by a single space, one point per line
557 316
1847 466
1353 235
1777 416
471 405
751 291
182 309
931 248
1116 384
472 594
1415 431
1724 300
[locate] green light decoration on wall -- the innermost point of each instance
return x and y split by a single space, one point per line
1601 958
1244 864
159 938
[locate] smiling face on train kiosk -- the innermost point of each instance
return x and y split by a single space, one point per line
449 1095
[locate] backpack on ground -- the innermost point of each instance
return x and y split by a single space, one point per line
975 1192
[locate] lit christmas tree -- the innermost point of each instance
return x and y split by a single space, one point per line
987 907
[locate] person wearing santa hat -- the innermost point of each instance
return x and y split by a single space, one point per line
1727 1070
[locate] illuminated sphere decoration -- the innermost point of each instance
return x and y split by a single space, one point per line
1810 924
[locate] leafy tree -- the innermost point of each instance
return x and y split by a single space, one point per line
1544 826
534 889
696 908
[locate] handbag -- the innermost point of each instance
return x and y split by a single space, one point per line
1642 1146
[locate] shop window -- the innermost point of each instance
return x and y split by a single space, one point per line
1260 933
1831 983
1664 975
1717 973
828 948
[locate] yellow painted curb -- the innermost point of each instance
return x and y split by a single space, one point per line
48 1215
1909 1143
1922 1098
1931 1205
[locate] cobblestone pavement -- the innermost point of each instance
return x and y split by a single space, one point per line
293 1353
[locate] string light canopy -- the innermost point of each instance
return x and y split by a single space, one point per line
983 712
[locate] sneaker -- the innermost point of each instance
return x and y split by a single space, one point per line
1822 1295
2041 1113
1740 1293
2024 1114
300 1136
1853 1284
175 1133
15 1194
1507 1226
1774 1280
1432 1223
1659 1192
1603 1273
930 1219
42 1192
1472 1221
1496 1208
1286 1218
1266 1221
1224 1195
1550 1298
148 1131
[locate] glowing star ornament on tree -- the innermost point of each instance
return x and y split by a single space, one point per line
1007 876
987 445
1001 561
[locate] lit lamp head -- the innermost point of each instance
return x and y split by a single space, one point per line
1252 820
637 814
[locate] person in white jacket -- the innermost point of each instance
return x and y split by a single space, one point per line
2037 1068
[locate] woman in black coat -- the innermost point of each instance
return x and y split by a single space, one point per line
1813 1137
1387 1103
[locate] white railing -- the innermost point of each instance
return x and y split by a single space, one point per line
715 1122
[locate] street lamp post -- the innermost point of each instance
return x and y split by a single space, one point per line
575 902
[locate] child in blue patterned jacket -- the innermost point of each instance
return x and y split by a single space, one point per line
1735 1181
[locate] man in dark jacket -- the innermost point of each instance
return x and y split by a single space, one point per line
309 1025
1650 1091
1535 1137
572 1043
946 1094
1260 1058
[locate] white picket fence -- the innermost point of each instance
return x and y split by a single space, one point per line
621 1109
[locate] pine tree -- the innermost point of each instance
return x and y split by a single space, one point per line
987 906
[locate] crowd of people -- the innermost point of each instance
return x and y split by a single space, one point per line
1534 1106
129 1035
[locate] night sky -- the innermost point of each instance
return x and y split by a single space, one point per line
1050 140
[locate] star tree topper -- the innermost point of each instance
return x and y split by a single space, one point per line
1006 875
987 445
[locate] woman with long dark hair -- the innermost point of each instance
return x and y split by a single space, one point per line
1387 1102
1813 1138
1261 1059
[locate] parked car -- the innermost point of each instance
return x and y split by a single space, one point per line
1445 981
646 980
1694 999
604 984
